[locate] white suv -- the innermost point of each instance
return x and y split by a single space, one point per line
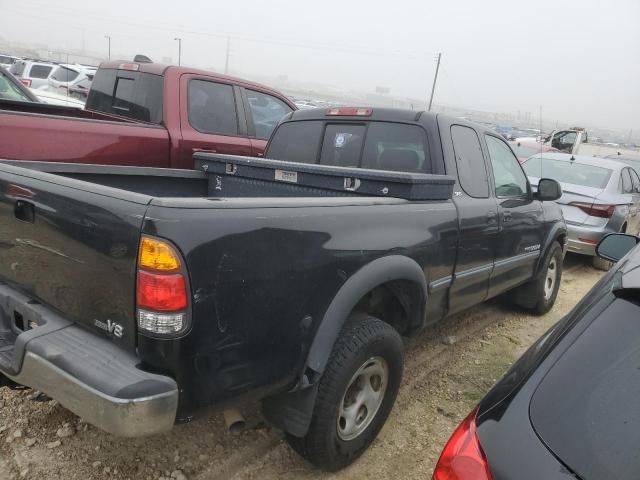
32 73
67 75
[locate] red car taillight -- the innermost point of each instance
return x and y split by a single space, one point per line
601 211
462 457
26 82
162 293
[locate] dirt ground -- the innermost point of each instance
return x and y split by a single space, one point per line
448 369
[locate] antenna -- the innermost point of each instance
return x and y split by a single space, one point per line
540 138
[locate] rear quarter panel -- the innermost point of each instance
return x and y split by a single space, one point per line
262 279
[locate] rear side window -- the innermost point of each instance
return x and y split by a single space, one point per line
342 145
472 169
296 142
398 147
266 111
212 107
40 71
63 74
133 95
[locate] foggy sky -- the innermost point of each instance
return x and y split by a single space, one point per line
579 60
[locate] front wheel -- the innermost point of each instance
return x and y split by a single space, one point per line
355 395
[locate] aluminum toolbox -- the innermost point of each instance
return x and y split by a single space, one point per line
234 176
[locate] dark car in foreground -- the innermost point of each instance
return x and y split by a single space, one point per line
569 407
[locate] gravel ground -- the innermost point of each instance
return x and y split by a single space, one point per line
448 369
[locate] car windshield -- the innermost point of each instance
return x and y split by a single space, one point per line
10 91
568 172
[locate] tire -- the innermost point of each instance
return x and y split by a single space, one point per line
539 295
601 264
367 351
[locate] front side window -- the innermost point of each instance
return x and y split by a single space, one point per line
10 91
212 108
509 178
266 111
40 71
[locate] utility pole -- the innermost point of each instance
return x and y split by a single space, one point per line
226 60
108 37
435 78
179 49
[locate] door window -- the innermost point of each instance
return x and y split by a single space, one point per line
266 111
40 71
472 170
509 178
212 108
564 140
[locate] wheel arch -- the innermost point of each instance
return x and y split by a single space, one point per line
292 411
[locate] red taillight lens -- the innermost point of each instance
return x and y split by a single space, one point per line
161 292
601 211
26 82
462 457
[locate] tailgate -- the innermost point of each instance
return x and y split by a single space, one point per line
72 245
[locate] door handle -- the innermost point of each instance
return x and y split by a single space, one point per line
506 216
24 211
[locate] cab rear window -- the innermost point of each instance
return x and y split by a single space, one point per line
134 95
373 145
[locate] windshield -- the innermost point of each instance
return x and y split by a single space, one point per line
10 91
568 172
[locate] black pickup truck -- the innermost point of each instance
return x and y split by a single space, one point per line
138 297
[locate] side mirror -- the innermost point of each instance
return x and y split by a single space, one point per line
615 246
548 190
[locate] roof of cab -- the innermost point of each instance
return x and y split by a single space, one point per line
161 69
377 114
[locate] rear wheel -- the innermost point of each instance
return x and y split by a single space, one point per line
355 395
540 294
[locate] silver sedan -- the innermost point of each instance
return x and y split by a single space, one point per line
599 196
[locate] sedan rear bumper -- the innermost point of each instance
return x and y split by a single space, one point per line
583 239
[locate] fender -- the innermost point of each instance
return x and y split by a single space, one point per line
557 230
372 275
292 411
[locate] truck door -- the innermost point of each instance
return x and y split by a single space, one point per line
478 217
521 219
211 118
564 140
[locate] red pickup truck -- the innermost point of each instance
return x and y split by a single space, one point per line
146 114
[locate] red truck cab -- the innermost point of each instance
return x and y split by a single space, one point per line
146 114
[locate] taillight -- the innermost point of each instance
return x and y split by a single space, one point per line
350 111
129 66
462 457
162 294
595 210
26 82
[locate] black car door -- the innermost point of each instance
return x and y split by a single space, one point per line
521 220
478 215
